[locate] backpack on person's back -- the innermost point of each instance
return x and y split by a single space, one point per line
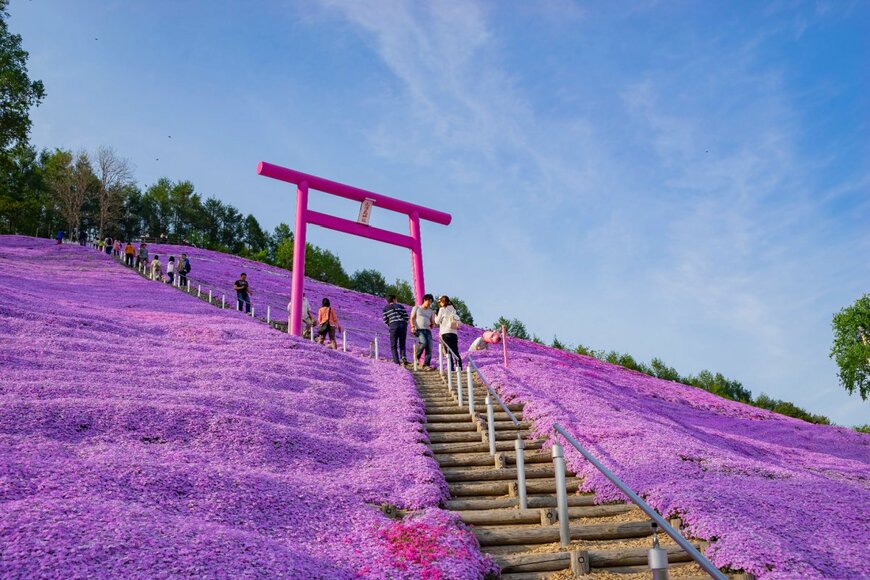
186 268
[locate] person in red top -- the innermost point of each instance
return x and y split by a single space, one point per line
327 323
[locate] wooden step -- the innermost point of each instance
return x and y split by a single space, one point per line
552 561
505 535
471 436
505 517
479 407
481 447
544 501
493 474
485 459
467 426
496 488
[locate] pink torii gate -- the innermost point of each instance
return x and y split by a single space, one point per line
305 216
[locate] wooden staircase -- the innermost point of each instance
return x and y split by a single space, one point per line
608 541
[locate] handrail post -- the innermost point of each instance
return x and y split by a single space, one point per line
252 311
449 375
415 355
376 348
209 296
519 446
459 387
490 424
561 494
440 359
199 290
343 340
268 312
657 557
470 391
223 301
459 384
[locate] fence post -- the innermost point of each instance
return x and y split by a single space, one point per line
657 557
252 311
376 349
519 446
470 391
268 314
490 424
199 290
459 383
209 296
561 494
440 358
415 355
459 386
343 340
223 301
449 375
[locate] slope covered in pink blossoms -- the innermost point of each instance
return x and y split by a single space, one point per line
144 433
776 496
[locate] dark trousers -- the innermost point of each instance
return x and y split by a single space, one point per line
452 341
171 276
244 301
424 344
128 259
182 279
398 333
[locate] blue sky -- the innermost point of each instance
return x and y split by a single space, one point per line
687 180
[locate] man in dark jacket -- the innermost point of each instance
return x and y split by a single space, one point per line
396 318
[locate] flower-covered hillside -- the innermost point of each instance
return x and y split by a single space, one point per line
776 496
144 433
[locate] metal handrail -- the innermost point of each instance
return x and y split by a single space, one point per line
491 391
647 509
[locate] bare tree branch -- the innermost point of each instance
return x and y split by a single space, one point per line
114 173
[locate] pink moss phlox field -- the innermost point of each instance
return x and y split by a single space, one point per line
145 433
777 496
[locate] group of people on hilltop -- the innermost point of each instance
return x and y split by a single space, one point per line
137 257
423 319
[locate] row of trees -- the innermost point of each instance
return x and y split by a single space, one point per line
64 190
715 383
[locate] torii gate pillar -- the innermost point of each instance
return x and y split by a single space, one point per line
305 216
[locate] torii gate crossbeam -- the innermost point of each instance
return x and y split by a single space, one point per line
305 216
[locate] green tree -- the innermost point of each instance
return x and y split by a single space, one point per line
256 240
325 266
558 343
513 327
403 291
663 371
370 282
284 254
851 348
463 311
17 92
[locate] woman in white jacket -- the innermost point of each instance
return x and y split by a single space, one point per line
448 323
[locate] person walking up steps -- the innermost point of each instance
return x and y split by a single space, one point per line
129 252
307 317
327 324
156 269
396 318
170 270
422 324
243 292
142 257
183 270
448 325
